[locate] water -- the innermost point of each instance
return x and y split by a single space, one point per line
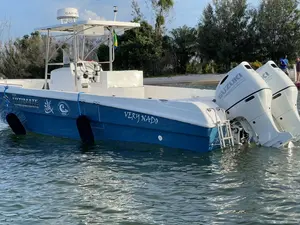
46 180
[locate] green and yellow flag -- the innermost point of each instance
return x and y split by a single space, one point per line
115 39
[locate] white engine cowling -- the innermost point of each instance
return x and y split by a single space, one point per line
244 94
285 95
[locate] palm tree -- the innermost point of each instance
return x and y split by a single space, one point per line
183 43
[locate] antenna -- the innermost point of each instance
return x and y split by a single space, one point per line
67 15
115 12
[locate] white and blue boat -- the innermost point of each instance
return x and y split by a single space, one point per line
81 101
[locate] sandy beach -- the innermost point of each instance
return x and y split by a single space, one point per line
194 78
190 78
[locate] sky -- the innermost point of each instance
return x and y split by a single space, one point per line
23 16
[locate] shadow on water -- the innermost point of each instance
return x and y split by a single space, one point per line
223 161
45 145
114 182
229 159
37 142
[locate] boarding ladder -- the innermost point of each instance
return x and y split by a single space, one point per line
224 129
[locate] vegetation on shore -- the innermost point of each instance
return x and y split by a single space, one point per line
229 31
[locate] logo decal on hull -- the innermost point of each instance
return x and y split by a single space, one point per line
25 102
47 107
140 117
63 108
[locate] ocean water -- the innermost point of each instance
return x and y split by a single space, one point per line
47 180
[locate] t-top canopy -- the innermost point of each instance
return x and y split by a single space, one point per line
70 27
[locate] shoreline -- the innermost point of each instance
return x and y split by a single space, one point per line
189 78
208 79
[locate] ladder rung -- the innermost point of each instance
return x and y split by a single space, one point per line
228 135
226 138
223 127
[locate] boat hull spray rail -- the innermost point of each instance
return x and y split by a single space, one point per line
246 97
285 96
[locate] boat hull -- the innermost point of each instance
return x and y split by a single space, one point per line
57 117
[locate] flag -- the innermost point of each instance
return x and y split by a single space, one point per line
115 39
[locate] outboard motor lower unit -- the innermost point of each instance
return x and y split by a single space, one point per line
247 98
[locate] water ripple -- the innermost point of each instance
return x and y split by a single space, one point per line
46 180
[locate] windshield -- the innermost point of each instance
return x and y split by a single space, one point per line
86 49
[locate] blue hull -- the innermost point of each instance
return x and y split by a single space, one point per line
58 118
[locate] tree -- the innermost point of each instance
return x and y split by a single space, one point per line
4 30
136 11
277 26
12 64
183 46
223 32
207 37
137 50
25 57
161 8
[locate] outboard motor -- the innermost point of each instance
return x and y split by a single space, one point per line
285 95
247 98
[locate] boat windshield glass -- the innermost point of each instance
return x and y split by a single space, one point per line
86 48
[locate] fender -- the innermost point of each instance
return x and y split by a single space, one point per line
85 130
15 124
